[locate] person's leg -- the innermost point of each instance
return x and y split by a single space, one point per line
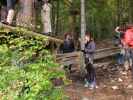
92 77
120 59
87 76
131 56
127 59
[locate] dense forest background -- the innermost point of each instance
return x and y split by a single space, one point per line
29 70
102 16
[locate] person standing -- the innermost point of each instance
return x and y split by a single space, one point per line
89 50
128 41
117 41
67 47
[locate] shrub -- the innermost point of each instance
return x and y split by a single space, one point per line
27 69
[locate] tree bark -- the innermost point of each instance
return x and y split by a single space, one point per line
57 17
26 14
118 12
130 11
46 18
83 24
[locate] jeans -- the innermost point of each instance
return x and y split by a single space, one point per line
131 56
91 74
10 4
120 59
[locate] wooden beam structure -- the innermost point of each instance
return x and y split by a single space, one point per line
75 57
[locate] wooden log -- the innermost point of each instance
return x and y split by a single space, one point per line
28 32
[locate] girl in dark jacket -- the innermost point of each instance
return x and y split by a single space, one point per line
89 51
67 46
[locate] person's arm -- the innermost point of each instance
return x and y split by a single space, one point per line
90 49
117 29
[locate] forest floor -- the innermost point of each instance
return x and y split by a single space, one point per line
114 83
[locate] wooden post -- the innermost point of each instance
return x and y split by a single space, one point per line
83 30
26 14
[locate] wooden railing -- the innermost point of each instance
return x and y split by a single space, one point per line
63 59
75 57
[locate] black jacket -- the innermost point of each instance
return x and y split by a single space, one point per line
67 47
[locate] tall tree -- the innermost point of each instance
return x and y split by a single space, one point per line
46 17
26 14
83 23
130 11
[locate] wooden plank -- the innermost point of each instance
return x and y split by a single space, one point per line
106 49
70 62
69 54
66 59
75 56
105 53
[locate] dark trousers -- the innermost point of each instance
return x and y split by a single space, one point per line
91 74
131 56
11 4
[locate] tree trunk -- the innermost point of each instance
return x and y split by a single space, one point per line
118 12
83 24
46 18
57 17
3 13
26 14
130 11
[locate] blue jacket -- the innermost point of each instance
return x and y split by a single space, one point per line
89 51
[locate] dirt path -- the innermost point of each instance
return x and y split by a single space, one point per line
113 84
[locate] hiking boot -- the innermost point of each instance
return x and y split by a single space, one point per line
92 85
86 84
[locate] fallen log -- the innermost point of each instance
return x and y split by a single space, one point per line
6 28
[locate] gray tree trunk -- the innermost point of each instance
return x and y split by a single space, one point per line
26 14
130 11
46 18
83 23
83 30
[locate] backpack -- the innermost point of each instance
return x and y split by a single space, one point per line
117 38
